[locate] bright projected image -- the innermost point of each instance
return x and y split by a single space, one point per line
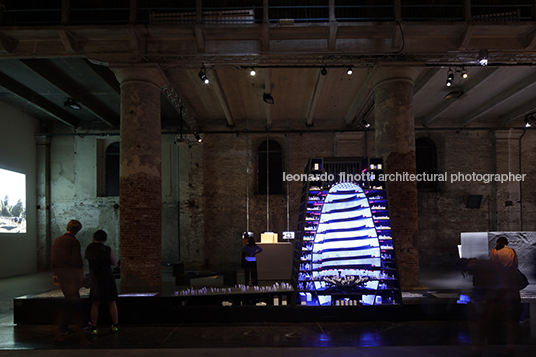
12 202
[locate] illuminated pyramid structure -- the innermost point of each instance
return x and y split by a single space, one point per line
345 254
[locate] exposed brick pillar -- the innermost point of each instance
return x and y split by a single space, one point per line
395 143
140 175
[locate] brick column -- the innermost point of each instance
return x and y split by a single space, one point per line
395 143
140 175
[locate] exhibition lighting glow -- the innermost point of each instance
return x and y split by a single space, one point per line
252 72
464 73
365 123
349 71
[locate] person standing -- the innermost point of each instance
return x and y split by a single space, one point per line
249 261
103 287
507 257
67 265
503 254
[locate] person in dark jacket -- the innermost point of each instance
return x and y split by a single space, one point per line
103 287
67 266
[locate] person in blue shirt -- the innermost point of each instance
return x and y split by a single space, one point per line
249 261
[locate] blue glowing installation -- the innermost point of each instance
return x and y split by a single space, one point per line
346 253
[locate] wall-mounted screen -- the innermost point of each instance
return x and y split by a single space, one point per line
12 202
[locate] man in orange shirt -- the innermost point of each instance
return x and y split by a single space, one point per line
504 255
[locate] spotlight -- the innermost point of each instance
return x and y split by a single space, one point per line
203 75
464 73
365 123
267 97
324 71
197 137
349 71
450 78
252 72
528 120
483 57
72 104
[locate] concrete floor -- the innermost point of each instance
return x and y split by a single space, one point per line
364 338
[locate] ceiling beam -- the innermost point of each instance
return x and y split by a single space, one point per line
523 84
222 98
465 36
315 97
397 38
37 101
71 41
104 73
7 44
360 100
471 83
424 78
529 40
49 72
526 108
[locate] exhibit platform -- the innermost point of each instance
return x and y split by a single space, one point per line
379 336
211 301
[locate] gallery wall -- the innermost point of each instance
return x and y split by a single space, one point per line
18 251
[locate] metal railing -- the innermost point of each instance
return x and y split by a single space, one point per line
236 12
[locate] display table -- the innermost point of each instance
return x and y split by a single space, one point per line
275 261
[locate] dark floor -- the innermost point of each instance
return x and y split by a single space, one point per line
364 338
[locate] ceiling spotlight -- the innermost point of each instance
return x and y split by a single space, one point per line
365 123
197 137
483 57
324 71
349 71
464 73
450 78
267 97
72 104
528 120
252 72
203 75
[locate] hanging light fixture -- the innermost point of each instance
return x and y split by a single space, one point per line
349 71
203 75
464 73
72 104
252 72
365 123
323 71
450 78
267 97
483 57
528 120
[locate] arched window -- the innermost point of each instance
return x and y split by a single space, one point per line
426 157
270 168
111 169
